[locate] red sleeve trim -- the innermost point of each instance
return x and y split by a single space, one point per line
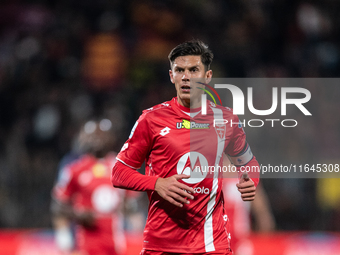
127 178
126 164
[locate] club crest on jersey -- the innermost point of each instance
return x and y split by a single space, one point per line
220 130
191 125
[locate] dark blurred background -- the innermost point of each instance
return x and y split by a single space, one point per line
64 61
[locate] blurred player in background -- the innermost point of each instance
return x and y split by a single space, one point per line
84 195
239 213
186 214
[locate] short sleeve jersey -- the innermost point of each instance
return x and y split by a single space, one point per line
171 142
86 185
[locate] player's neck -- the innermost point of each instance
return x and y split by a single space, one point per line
192 112
190 103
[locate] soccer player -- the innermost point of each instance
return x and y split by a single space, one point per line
186 214
84 194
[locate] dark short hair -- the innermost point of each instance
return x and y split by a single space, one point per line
195 48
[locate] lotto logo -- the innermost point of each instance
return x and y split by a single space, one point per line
125 146
165 131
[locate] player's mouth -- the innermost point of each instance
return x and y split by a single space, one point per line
186 88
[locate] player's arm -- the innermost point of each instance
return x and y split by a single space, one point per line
247 167
126 177
247 173
131 157
61 222
62 211
62 197
63 216
241 156
246 187
169 188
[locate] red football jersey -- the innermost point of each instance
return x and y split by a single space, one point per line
86 184
172 143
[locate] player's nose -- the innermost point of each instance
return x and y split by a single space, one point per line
186 75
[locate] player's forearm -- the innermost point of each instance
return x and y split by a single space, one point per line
128 178
252 167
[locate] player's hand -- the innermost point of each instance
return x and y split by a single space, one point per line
246 187
173 191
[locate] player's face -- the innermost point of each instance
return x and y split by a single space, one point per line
184 69
97 137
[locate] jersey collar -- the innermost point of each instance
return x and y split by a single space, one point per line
182 110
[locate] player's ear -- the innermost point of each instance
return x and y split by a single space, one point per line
208 76
171 76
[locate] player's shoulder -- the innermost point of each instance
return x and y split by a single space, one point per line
157 110
70 171
79 164
226 110
163 106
